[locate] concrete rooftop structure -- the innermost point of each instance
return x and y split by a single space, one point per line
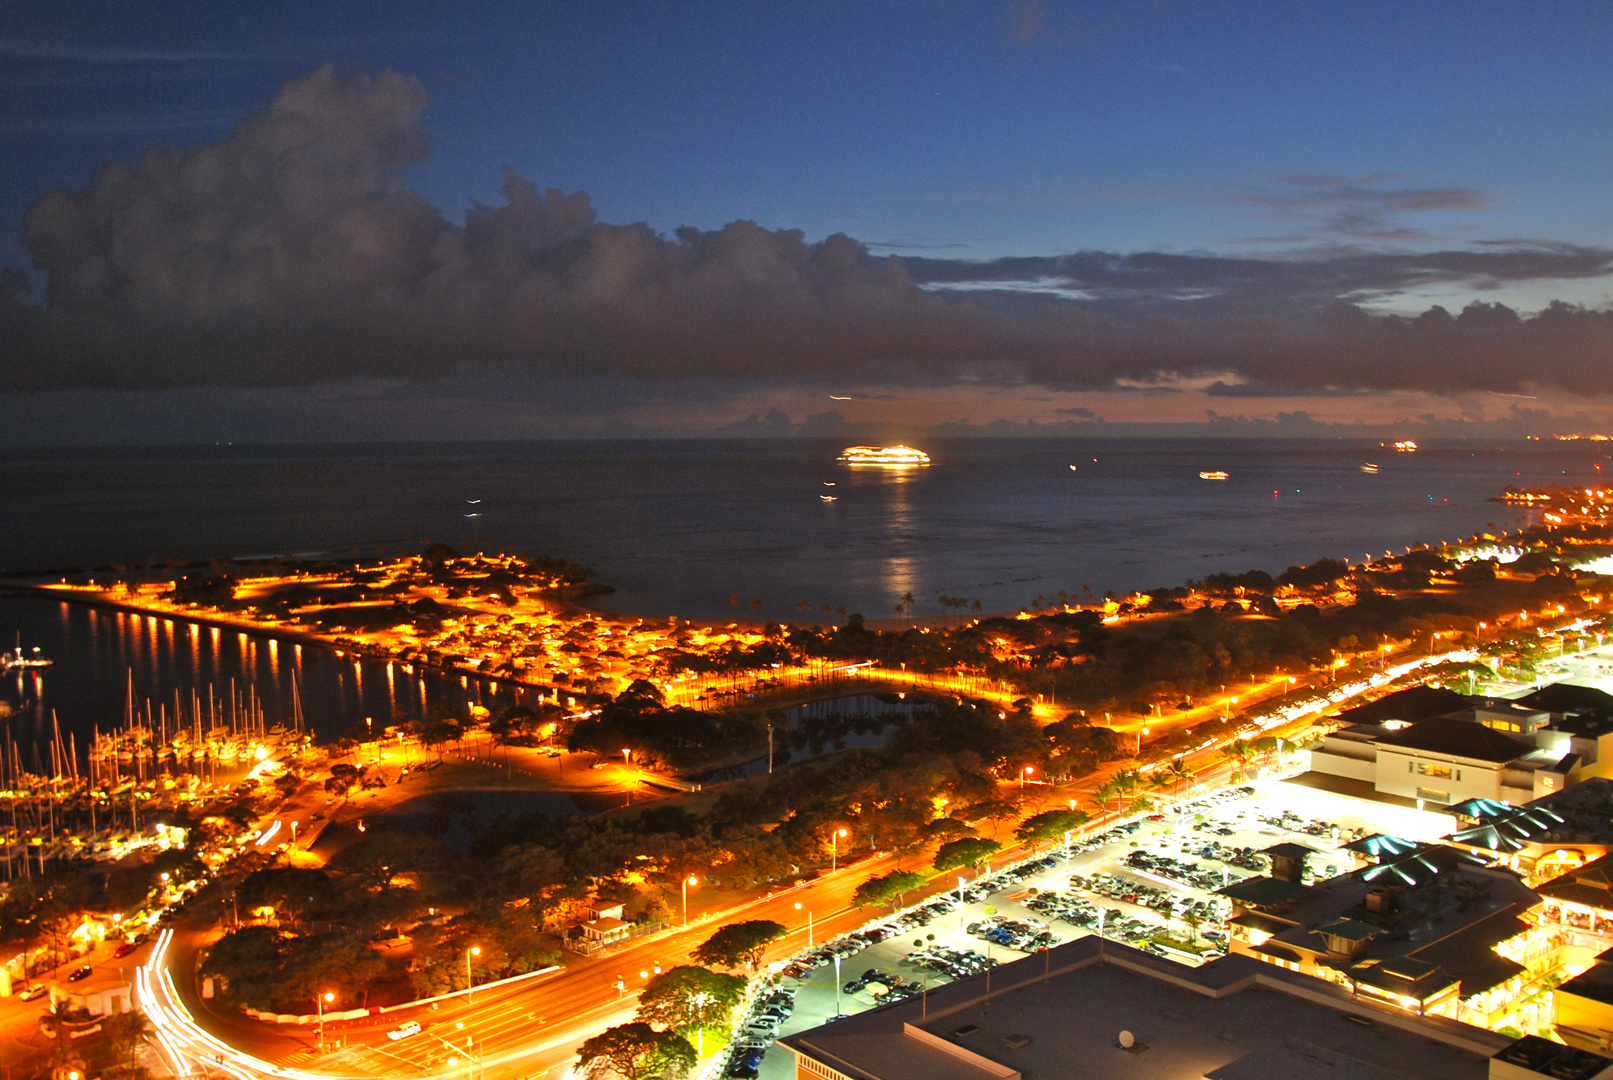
1061 1015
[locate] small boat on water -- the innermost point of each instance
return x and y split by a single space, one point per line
1213 474
828 498
1369 468
19 659
889 457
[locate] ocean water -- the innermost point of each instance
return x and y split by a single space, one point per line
681 527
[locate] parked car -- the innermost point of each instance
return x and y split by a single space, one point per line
33 993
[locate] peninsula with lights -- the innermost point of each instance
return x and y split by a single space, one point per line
1200 775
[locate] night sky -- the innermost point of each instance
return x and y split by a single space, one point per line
529 220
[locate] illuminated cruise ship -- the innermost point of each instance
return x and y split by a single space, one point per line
890 457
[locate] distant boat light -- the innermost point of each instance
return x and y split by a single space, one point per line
1214 474
890 457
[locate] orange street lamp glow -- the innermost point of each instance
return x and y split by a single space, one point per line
688 881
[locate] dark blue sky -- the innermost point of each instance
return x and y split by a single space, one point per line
977 129
1285 157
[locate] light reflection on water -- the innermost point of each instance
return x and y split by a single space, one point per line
100 654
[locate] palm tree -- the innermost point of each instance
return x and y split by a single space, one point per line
1179 772
1127 782
1238 752
126 1032
58 1023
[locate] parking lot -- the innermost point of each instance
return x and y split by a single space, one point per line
1149 882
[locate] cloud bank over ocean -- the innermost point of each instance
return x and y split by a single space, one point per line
294 252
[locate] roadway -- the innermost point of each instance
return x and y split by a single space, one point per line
532 1029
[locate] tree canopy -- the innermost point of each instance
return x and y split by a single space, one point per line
969 851
688 997
889 888
264 968
1049 825
739 943
635 1051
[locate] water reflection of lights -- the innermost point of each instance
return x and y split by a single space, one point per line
901 574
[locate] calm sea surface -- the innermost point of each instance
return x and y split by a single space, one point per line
680 527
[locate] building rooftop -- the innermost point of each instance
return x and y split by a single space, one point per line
1513 831
1534 1056
1596 984
1381 846
1264 892
1591 885
1477 810
1060 1015
1288 851
1418 867
1566 697
1412 925
1586 810
1457 737
1411 705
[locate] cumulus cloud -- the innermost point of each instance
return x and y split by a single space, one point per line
293 251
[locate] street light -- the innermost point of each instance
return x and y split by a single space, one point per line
798 907
834 849
321 1000
688 881
474 950
700 1030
